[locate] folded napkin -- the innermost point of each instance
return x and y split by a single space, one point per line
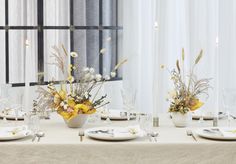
228 132
126 131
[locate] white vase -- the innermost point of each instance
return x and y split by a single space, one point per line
181 120
77 122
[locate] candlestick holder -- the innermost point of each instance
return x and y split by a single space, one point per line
155 121
215 121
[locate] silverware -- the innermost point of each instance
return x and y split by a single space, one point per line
34 137
153 135
81 134
190 133
40 134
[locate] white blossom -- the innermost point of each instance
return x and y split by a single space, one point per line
98 77
91 70
107 77
85 69
87 76
62 104
65 106
74 54
113 74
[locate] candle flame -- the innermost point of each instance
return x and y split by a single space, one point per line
156 25
27 44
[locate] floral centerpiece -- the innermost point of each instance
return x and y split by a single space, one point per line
76 100
187 89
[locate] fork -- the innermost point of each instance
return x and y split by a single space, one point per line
81 134
190 133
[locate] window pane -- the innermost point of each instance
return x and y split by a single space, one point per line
2 12
109 12
54 38
22 12
120 12
86 43
112 46
17 52
56 12
86 12
2 61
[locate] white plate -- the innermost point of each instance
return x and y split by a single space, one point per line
207 116
224 134
115 115
13 133
114 134
10 114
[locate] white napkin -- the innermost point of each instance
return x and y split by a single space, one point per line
127 131
228 132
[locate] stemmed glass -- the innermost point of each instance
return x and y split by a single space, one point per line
129 98
4 107
16 108
33 122
201 115
145 123
107 113
229 102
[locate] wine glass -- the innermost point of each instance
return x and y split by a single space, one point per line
129 98
145 123
107 113
4 107
32 121
229 102
16 108
201 117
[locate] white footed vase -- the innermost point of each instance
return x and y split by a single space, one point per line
77 122
181 120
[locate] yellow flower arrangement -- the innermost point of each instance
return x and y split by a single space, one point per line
77 99
184 97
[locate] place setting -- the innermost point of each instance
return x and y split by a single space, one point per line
217 133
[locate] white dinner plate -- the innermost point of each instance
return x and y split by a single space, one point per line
116 115
217 133
10 114
14 133
114 133
207 116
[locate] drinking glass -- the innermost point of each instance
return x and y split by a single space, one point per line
16 108
4 106
145 122
33 122
129 98
107 113
201 119
229 103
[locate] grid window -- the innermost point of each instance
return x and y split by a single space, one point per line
84 26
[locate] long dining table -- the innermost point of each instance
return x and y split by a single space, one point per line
62 145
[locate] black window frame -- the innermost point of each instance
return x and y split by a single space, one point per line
40 29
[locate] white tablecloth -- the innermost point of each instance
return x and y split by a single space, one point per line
62 145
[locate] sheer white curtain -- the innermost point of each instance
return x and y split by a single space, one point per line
155 31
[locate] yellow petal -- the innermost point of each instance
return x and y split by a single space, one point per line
71 103
197 105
